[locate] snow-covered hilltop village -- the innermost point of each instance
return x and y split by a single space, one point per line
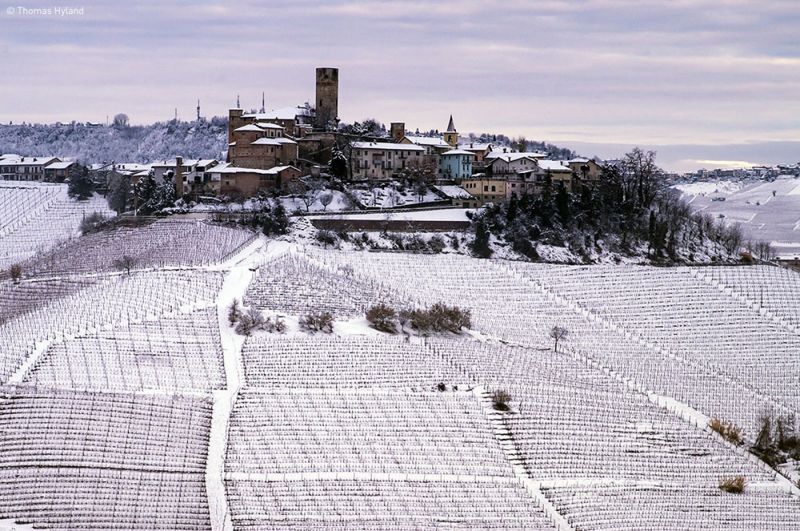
278 320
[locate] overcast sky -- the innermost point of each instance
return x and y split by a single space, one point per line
598 74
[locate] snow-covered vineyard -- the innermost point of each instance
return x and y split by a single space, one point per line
129 401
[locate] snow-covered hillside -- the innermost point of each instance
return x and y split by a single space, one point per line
159 141
767 211
144 400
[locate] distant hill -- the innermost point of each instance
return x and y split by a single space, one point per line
164 140
136 143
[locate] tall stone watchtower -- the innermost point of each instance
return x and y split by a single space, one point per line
327 103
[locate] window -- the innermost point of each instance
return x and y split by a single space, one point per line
494 188
485 188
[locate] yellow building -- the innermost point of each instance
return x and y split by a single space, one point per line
486 190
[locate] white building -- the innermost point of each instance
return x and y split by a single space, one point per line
383 160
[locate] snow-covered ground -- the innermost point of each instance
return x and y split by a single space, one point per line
767 211
442 214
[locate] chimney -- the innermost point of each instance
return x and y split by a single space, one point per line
178 177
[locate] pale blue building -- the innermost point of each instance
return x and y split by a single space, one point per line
456 164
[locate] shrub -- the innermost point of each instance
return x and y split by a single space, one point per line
383 318
93 222
436 244
317 322
777 440
728 430
523 246
416 243
734 485
234 312
249 322
438 318
500 400
16 273
326 237
274 325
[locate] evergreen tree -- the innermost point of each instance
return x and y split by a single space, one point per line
562 203
152 196
480 245
80 185
338 164
274 220
119 194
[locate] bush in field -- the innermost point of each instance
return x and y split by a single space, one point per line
326 237
437 319
500 400
728 430
93 222
383 317
274 325
234 312
436 244
733 485
16 273
317 322
250 321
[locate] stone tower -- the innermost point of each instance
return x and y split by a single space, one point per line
397 131
451 135
327 103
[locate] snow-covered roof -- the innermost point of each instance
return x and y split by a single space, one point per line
387 146
578 160
459 152
510 157
552 165
273 141
514 155
229 169
474 146
172 163
433 141
248 128
132 166
28 161
267 125
283 113
59 165
453 191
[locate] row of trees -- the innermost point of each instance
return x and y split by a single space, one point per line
631 208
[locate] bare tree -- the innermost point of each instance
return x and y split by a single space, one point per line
121 120
558 333
325 199
16 273
311 193
420 188
394 197
125 263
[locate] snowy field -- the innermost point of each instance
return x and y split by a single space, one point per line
35 217
130 401
767 211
